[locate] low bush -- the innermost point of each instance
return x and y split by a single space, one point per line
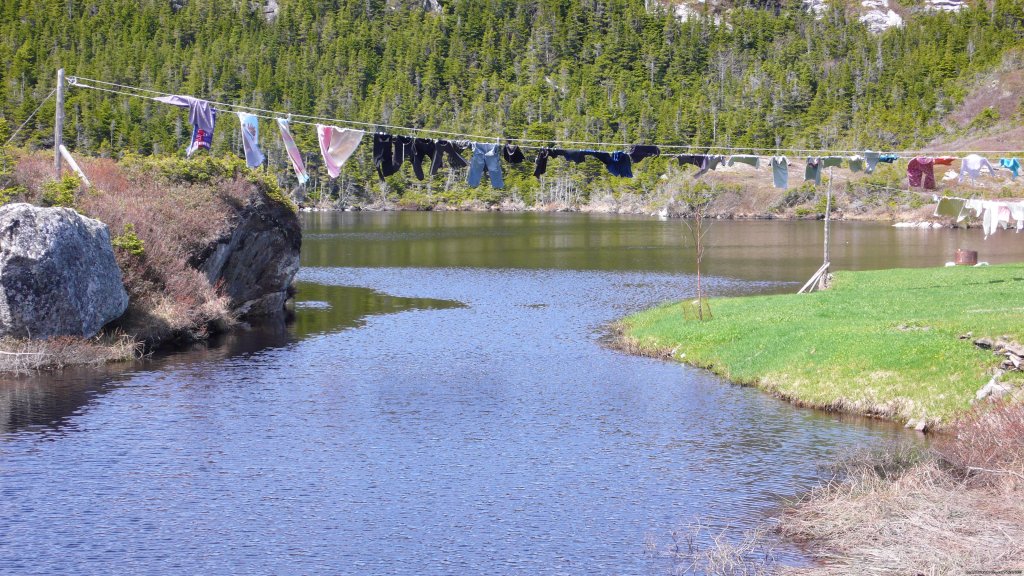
987 445
61 193
129 241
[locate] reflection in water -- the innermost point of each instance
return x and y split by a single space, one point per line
426 412
751 250
49 399
320 308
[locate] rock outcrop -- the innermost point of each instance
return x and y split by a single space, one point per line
255 261
944 5
58 275
879 17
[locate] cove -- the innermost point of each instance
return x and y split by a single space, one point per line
440 405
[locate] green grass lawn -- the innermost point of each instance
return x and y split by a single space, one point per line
882 342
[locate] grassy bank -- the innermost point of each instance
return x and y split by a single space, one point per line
885 343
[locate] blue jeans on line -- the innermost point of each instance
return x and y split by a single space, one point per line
485 154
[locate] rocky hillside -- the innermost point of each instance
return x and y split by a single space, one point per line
877 15
991 114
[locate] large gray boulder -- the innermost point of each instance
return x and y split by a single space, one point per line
58 276
254 262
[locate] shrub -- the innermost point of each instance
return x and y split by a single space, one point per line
8 195
129 241
985 119
61 192
795 196
988 444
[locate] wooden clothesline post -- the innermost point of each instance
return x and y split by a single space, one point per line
58 125
823 279
819 279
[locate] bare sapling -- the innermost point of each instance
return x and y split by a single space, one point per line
698 199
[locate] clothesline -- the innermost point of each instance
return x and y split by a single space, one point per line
30 116
309 120
993 213
391 150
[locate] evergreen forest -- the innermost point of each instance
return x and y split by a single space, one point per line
761 74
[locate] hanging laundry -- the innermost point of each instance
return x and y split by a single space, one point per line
871 158
416 151
944 161
748 159
780 171
202 117
1017 212
714 161
972 165
512 154
813 170
1011 164
951 208
977 206
990 214
450 149
617 163
574 156
337 145
831 161
640 151
485 155
1003 219
921 166
386 159
888 158
293 151
540 165
250 140
856 163
697 160
704 162
403 149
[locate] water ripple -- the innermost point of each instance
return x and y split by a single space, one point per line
496 437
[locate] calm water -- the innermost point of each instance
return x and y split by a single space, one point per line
440 405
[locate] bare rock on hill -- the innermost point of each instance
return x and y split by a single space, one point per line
880 17
944 5
254 262
58 275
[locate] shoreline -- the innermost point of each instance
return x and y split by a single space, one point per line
862 347
617 339
653 207
952 507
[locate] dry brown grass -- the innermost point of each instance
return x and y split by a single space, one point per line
22 356
954 509
987 447
696 549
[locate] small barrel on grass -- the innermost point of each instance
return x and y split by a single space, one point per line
966 257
